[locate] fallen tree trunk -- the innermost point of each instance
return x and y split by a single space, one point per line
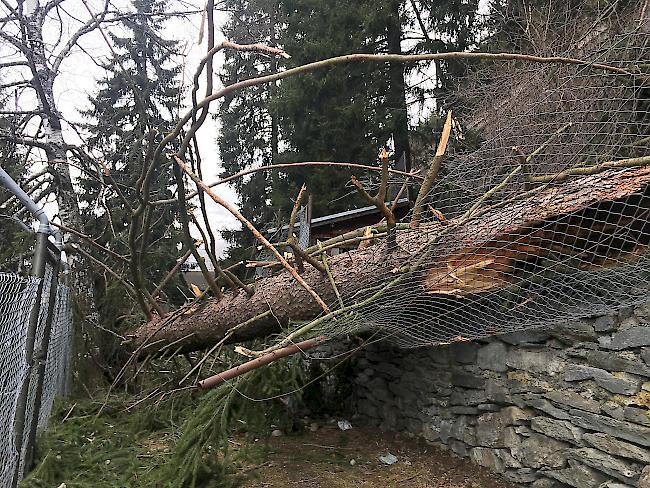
578 220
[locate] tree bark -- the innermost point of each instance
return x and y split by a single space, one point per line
397 93
578 219
57 159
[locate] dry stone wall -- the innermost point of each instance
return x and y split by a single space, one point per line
564 406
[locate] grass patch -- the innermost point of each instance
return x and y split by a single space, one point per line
115 449
185 441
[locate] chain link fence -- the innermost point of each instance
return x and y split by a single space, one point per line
37 380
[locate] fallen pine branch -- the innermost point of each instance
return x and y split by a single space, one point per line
258 362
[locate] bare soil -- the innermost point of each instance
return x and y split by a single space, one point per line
331 458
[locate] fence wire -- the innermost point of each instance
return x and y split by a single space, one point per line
18 297
540 213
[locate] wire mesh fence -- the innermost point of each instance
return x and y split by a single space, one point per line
21 299
540 212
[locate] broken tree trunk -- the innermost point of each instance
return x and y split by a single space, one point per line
594 221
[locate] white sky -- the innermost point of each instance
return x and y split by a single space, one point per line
79 74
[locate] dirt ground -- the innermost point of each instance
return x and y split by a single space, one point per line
331 458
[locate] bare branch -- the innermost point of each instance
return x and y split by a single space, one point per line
12 64
91 241
233 210
89 26
129 288
291 166
433 172
25 141
380 200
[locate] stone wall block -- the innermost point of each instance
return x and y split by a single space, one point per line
529 336
561 430
545 361
547 483
579 476
521 476
467 380
642 311
617 447
545 406
575 331
610 465
487 458
464 352
645 355
637 415
389 369
539 451
570 399
622 383
614 484
626 361
629 431
606 323
628 338
644 479
492 357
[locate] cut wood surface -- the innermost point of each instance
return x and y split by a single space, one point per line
597 220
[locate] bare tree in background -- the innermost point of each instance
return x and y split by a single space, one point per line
37 39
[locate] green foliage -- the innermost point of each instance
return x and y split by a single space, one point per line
339 114
114 448
249 128
133 108
346 113
181 441
249 404
15 243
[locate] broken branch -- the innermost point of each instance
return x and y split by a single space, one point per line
233 210
434 169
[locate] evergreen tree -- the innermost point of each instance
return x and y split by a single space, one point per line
345 113
340 114
138 97
444 26
15 243
249 134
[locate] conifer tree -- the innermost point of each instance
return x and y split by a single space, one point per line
133 108
249 134
345 113
14 242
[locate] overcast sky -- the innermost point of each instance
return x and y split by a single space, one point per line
79 75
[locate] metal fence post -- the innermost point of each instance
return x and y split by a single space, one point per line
40 362
38 271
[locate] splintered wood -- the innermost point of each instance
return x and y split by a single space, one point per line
590 222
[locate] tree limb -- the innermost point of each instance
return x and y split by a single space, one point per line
233 210
434 169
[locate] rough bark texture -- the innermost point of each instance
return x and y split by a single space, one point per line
56 153
281 294
397 93
500 239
